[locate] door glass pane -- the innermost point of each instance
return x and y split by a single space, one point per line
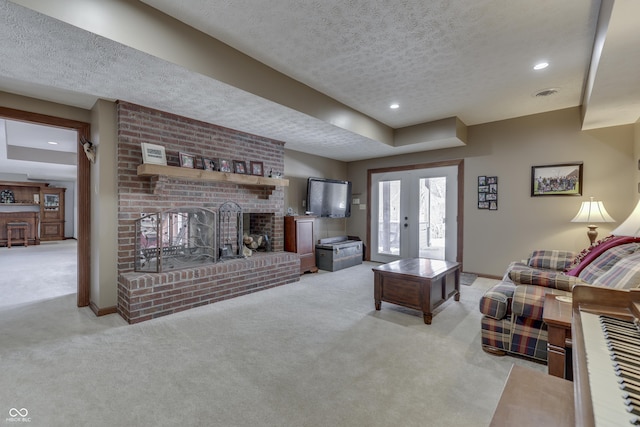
433 192
389 217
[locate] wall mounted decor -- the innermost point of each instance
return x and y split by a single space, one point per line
488 192
6 196
557 180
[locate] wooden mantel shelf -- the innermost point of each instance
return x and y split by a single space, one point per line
147 169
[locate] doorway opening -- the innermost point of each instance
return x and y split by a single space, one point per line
83 187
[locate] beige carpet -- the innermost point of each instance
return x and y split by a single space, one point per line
312 353
34 273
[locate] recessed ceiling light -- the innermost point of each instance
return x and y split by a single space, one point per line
394 106
52 142
541 66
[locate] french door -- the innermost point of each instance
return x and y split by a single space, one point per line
414 214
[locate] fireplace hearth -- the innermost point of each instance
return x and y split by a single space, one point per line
153 277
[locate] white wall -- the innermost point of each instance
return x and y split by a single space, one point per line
636 155
70 203
104 206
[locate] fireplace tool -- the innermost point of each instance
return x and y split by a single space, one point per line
226 211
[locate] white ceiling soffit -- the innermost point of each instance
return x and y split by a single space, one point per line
438 59
613 93
40 137
31 155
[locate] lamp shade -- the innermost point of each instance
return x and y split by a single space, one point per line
631 225
592 212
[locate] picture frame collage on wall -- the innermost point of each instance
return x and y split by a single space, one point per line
156 154
488 192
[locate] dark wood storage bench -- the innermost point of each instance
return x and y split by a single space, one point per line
336 253
419 283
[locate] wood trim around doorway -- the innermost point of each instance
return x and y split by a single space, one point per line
84 192
459 163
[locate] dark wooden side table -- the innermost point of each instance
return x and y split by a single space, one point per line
557 315
418 283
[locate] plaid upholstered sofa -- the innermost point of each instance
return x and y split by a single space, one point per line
512 309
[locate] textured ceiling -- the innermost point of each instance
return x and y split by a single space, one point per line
62 59
443 58
470 59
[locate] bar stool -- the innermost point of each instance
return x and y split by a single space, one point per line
17 226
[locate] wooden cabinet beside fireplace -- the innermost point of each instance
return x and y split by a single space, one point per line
298 238
52 214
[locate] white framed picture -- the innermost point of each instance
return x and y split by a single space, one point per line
152 153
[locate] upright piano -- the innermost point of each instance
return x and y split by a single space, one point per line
606 356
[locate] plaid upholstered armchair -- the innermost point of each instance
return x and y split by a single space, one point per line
512 309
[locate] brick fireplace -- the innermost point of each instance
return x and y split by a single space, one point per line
143 296
260 223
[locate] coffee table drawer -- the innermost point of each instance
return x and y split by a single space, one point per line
403 292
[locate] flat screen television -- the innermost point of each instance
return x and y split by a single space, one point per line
328 198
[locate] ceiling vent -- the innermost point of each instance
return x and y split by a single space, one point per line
545 92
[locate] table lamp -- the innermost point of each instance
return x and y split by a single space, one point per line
592 212
631 225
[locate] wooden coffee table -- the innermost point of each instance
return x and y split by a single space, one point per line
419 283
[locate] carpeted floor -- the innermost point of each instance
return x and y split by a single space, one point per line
34 273
312 353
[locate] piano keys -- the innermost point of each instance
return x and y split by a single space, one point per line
607 386
606 356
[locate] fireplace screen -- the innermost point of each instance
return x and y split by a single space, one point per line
174 239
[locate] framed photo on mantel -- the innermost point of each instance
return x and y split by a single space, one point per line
208 164
239 166
256 168
225 165
154 154
187 160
